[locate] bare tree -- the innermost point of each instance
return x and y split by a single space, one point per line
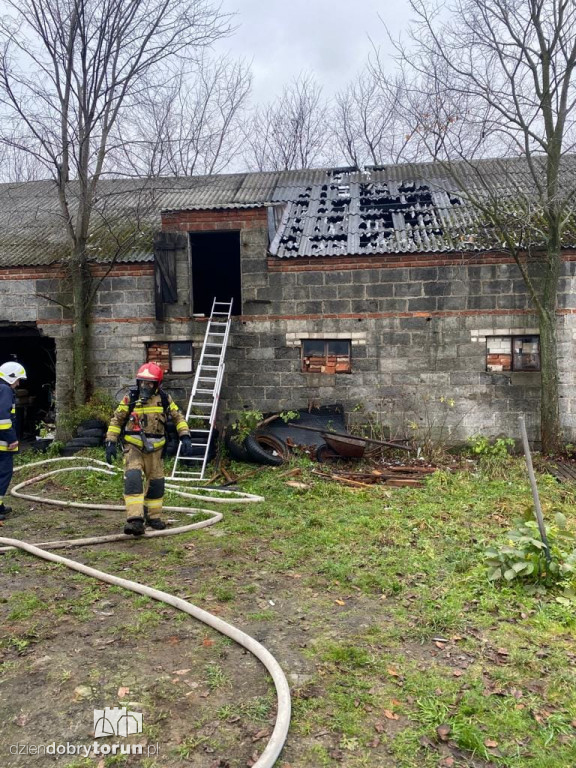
370 118
17 165
68 69
291 132
508 68
190 125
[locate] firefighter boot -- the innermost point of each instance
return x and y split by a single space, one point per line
134 526
155 522
4 511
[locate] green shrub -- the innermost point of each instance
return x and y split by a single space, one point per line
484 447
249 420
100 405
493 454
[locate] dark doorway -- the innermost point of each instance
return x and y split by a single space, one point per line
215 270
35 396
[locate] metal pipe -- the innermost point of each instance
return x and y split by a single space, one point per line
535 496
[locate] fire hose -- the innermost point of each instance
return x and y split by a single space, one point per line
276 742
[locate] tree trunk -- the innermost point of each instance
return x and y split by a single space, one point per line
549 405
80 279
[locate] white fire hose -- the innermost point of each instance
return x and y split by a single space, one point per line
276 742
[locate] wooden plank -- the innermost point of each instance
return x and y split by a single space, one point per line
562 472
399 482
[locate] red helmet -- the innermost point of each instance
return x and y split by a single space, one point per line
150 372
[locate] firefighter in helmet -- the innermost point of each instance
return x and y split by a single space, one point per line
142 415
10 375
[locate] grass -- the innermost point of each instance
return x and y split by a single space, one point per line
379 596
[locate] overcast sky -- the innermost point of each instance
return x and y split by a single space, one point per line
327 38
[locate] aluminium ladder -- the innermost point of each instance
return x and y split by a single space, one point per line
203 402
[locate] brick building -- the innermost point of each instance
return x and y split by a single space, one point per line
359 287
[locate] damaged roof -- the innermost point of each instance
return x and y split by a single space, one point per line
334 211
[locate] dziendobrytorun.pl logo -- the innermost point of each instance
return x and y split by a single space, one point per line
110 721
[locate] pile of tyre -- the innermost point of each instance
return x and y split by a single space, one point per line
88 434
172 442
257 448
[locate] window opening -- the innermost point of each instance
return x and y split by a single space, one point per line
326 356
513 353
171 356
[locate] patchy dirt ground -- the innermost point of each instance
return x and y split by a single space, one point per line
70 645
206 701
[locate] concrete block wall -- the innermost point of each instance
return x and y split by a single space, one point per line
417 325
414 321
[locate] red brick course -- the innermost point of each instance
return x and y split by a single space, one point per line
213 221
338 263
58 272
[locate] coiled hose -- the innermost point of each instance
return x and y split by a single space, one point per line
274 746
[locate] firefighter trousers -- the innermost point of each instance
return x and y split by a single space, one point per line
143 482
6 470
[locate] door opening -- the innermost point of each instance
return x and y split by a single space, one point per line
35 396
215 270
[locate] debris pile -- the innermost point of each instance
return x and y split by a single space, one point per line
393 476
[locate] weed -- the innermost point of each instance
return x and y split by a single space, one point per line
187 747
24 605
346 656
224 594
523 557
215 676
493 454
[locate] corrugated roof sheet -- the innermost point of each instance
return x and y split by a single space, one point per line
396 208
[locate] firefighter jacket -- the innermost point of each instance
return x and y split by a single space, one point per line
148 417
8 434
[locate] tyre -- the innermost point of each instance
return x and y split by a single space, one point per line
273 444
93 424
66 451
236 450
198 437
264 449
84 432
84 442
170 448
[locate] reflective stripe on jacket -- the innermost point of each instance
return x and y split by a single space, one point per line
8 432
148 417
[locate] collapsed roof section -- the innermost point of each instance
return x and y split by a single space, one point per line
351 213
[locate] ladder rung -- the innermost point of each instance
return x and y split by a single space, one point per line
215 333
191 458
211 355
206 378
214 323
199 416
206 391
208 405
200 445
209 367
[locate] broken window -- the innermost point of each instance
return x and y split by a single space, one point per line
171 356
326 356
512 353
